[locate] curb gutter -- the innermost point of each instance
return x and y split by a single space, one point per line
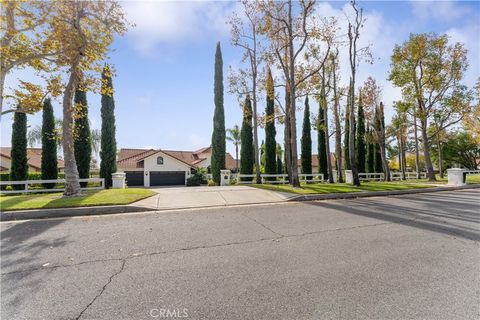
69 212
366 194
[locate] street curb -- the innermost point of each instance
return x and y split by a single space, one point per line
69 212
366 194
118 209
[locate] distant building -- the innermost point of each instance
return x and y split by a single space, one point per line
34 156
315 162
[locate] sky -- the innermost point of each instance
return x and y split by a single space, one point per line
165 65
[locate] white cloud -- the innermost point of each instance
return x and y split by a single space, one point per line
174 22
468 35
377 33
438 10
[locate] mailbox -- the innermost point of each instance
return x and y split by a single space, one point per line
225 177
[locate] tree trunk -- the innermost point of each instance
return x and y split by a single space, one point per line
288 154
400 161
72 186
338 138
338 128
327 143
402 156
9 16
3 75
351 138
293 127
417 156
295 182
440 159
426 151
255 134
386 169
236 157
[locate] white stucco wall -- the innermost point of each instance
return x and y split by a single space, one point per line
169 164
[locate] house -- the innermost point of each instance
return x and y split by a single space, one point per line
156 167
34 156
315 162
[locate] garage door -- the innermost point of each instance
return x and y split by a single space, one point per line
134 178
167 178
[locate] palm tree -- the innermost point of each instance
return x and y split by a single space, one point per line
234 136
34 136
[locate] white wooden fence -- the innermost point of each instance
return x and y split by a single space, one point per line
26 183
245 178
408 175
274 178
316 177
279 178
233 176
311 177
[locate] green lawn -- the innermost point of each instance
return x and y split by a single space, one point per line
473 178
343 187
322 188
90 198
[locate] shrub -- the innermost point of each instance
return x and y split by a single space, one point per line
196 180
211 183
233 181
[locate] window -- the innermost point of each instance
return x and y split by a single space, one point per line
159 160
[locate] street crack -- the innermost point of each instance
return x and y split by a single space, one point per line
103 289
263 225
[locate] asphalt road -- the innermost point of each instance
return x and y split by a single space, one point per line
404 257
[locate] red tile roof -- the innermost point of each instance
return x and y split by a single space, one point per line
34 156
315 160
230 162
128 158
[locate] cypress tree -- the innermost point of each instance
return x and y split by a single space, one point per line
49 145
247 155
18 154
306 142
360 136
218 135
108 142
322 152
270 132
82 143
279 159
346 140
279 165
370 152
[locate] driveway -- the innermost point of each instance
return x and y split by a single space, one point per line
198 197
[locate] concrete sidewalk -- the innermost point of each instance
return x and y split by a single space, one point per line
198 197
172 198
